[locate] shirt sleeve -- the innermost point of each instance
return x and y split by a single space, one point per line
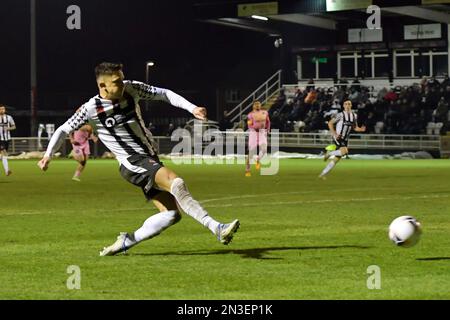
147 92
77 120
338 117
74 123
11 122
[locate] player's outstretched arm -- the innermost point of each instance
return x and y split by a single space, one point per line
147 92
54 144
360 129
74 123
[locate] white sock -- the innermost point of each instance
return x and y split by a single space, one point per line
328 168
252 155
191 206
262 151
5 163
336 153
153 226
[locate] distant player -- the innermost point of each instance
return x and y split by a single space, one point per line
117 116
80 146
6 126
258 122
340 127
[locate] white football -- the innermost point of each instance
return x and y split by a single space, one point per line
405 231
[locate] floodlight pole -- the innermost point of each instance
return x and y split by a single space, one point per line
33 82
147 65
448 48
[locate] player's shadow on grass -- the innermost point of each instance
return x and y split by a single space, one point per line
433 259
254 253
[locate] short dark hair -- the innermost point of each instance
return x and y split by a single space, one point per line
107 68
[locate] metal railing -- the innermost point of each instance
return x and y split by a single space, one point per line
263 93
364 141
285 139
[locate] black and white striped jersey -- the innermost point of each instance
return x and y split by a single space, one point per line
119 123
6 121
345 122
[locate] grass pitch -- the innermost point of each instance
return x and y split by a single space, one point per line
300 237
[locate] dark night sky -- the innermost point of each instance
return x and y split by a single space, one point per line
190 56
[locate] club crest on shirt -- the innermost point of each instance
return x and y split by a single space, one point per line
110 122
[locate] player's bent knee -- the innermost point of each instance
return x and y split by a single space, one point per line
164 178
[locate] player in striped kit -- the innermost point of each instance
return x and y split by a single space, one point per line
344 121
6 126
80 148
116 114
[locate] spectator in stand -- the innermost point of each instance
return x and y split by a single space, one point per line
433 82
424 82
356 85
339 94
279 103
370 122
343 84
354 97
440 114
381 94
296 112
413 125
391 96
445 82
447 93
401 110
310 86
311 97
298 94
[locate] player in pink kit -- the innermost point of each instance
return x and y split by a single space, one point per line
80 143
258 122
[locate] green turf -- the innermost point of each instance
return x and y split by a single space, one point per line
300 237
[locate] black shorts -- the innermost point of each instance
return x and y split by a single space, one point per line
340 143
145 180
4 145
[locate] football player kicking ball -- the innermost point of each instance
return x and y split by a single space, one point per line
258 122
344 121
80 146
116 114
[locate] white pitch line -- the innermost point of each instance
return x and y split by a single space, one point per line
20 213
275 203
261 195
325 201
